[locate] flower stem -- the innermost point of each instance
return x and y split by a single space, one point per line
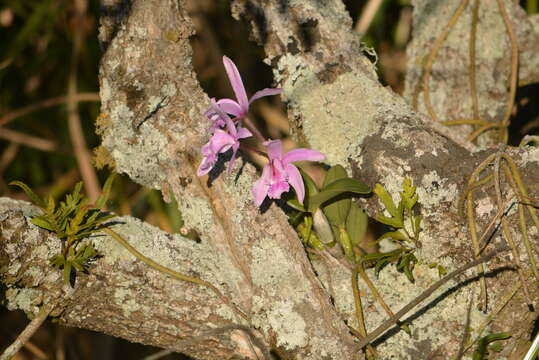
249 125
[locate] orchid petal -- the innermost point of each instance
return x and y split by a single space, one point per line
231 127
205 166
264 92
244 133
275 149
220 141
277 189
237 84
302 155
230 106
261 186
295 179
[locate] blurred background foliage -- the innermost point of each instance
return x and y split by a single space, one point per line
46 44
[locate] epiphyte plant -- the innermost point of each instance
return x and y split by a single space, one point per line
72 220
406 227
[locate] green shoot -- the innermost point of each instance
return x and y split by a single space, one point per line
72 220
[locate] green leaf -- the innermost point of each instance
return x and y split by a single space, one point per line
356 223
50 205
337 209
380 255
417 225
89 252
43 222
102 199
336 172
406 264
336 188
77 265
482 347
408 195
346 244
74 224
393 222
386 200
395 235
35 199
57 260
67 272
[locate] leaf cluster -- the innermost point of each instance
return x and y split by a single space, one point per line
72 220
405 236
331 212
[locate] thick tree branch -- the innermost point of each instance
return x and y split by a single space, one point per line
381 139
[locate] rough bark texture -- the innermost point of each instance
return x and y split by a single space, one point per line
153 125
450 70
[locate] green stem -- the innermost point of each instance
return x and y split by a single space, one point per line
359 311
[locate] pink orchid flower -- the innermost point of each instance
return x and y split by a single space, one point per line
279 173
220 142
240 107
215 115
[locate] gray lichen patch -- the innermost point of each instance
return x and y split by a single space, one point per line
272 271
347 108
280 316
141 158
25 299
450 92
435 190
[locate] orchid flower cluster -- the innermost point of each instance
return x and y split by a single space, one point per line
226 132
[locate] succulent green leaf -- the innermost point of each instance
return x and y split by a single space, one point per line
296 205
481 352
356 223
337 209
32 195
346 243
336 172
336 188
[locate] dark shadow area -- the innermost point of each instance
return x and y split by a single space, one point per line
116 14
526 121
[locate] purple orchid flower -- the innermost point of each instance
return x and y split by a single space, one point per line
220 142
240 107
279 173
215 115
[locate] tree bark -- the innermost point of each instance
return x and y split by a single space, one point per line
152 126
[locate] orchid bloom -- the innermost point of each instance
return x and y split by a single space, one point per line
215 115
240 107
279 173
221 141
